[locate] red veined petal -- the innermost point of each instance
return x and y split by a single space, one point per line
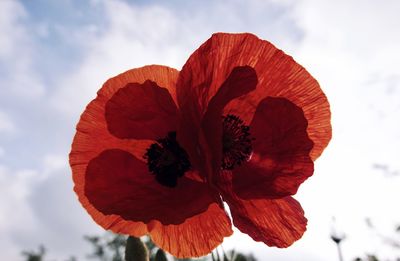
119 225
276 222
239 82
92 137
281 148
195 237
118 183
162 75
141 111
278 76
203 142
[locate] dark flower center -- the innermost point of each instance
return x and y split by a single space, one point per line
236 142
167 160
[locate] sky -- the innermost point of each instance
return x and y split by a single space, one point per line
55 55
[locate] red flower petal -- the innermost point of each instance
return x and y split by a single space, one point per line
118 183
141 111
197 236
280 160
205 147
278 75
276 222
92 137
241 81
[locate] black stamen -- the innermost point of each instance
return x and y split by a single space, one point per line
167 160
236 142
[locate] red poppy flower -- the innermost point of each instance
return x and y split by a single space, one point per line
158 151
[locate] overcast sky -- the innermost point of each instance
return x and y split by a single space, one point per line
54 56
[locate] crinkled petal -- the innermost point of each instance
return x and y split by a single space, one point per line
92 137
203 142
239 82
141 111
118 183
281 148
278 76
195 237
276 222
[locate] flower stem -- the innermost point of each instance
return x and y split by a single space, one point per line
339 252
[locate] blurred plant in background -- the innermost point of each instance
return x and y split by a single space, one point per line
113 247
35 256
337 236
391 240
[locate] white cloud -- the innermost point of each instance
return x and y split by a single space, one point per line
10 12
134 37
54 163
6 124
61 220
42 202
15 214
30 188
16 51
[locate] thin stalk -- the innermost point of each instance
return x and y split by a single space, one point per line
339 252
216 250
212 256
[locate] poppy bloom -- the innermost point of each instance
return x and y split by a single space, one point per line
158 151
